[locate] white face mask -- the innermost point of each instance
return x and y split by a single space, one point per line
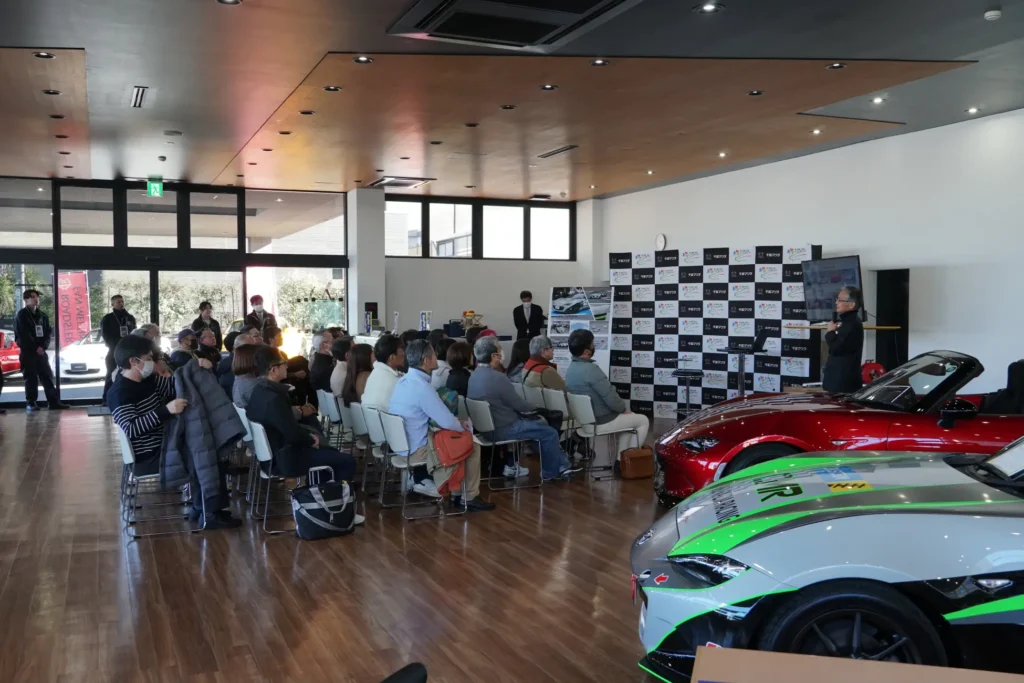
258 308
147 368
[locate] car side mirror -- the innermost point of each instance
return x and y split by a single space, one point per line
956 409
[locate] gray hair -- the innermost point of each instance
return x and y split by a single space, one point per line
417 352
538 344
318 339
485 347
146 329
243 339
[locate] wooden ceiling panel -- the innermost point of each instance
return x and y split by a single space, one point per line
27 131
672 116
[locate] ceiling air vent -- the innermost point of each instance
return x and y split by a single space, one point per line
138 95
527 25
390 182
556 152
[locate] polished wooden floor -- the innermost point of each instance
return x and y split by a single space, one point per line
536 591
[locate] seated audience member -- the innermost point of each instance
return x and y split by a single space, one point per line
611 412
539 371
460 361
408 337
208 349
439 378
296 450
435 337
340 350
360 366
140 402
473 333
243 367
337 332
151 331
254 333
416 402
298 370
234 340
489 383
321 362
224 363
186 345
516 361
390 354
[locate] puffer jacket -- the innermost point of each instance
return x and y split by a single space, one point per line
202 435
542 374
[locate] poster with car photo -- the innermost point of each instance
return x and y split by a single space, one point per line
580 308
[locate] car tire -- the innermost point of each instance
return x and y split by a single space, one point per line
758 454
820 621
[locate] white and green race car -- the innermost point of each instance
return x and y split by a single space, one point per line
904 557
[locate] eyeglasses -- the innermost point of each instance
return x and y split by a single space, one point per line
842 301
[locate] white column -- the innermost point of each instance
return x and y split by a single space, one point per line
365 256
591 253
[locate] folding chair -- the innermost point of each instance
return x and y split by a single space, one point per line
587 427
131 489
265 458
359 430
248 441
520 389
534 396
480 414
398 442
555 400
380 450
463 412
331 416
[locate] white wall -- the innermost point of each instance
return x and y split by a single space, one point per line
946 203
449 286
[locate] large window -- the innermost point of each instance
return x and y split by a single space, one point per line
303 300
451 230
152 221
503 232
87 217
293 223
403 228
181 292
549 234
214 220
15 278
26 214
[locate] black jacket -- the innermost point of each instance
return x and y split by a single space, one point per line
320 369
458 381
179 359
270 406
268 321
25 331
845 348
528 329
198 325
111 324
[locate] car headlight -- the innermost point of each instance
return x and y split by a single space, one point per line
711 569
699 444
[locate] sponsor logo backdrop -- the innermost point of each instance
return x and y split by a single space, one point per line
689 305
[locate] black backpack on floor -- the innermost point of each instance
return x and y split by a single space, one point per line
323 510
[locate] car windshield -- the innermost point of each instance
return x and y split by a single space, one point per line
1009 459
907 386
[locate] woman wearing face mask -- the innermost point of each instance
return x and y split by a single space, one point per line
206 321
259 318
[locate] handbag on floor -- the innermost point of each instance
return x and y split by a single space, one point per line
323 510
637 463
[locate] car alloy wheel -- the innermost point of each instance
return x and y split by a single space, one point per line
856 634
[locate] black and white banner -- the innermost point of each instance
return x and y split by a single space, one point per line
672 306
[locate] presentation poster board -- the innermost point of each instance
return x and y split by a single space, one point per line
580 308
678 309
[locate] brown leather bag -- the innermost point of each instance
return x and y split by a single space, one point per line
637 463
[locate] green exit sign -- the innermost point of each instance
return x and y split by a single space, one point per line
155 188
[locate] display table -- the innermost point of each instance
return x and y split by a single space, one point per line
879 328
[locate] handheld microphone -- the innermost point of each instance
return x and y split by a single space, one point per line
835 316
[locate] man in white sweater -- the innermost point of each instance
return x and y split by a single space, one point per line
390 355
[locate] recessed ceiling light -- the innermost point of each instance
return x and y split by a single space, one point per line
508 107
64 153
173 133
69 167
650 173
51 92
709 7
835 66
472 125
816 131
380 170
252 163
39 189
533 165
162 158
359 181
404 158
279 200
61 137
436 142
549 87
332 88
593 187
362 59
44 55
722 155
756 93
600 62
470 187
57 117
284 132
878 100
230 2
307 112
239 176
268 149
972 111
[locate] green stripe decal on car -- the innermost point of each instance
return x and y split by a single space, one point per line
1014 604
783 464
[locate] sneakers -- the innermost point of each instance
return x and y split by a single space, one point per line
221 519
478 504
31 407
359 520
510 471
566 474
57 405
427 487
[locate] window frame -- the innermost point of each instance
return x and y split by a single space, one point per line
478 226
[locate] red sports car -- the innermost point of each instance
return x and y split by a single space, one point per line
10 361
912 408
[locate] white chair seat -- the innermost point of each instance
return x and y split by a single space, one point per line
400 462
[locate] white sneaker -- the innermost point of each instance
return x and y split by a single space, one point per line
510 471
577 456
359 520
427 487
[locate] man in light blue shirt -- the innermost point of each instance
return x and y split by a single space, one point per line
417 403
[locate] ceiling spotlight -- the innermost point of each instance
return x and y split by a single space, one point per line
835 66
380 170
332 88
816 131
252 163
284 132
472 125
161 158
172 133
44 55
230 2
508 107
268 149
61 137
436 142
362 59
39 189
650 173
972 111
709 7
279 200
593 187
878 100
600 62
64 153
51 92
756 93
404 158
69 167
722 155
470 187
239 176
549 87
358 181
57 117
307 112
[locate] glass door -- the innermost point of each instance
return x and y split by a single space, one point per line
15 280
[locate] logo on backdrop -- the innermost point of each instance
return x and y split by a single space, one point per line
691 292
793 292
741 291
796 367
620 260
622 310
643 276
642 392
690 361
716 326
715 379
664 376
619 375
667 309
622 342
665 410
666 293
666 325
643 326
643 292
768 309
666 342
768 273
769 255
715 309
643 259
716 274
797 254
642 376
767 383
669 257
691 326
713 344
691 258
643 359
622 277
790 331
743 327
741 256
734 363
666 275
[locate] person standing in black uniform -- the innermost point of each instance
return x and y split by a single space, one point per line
114 327
32 333
259 318
206 321
845 339
528 318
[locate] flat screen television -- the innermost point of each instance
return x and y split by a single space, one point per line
823 278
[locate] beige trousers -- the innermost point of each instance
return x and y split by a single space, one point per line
440 473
